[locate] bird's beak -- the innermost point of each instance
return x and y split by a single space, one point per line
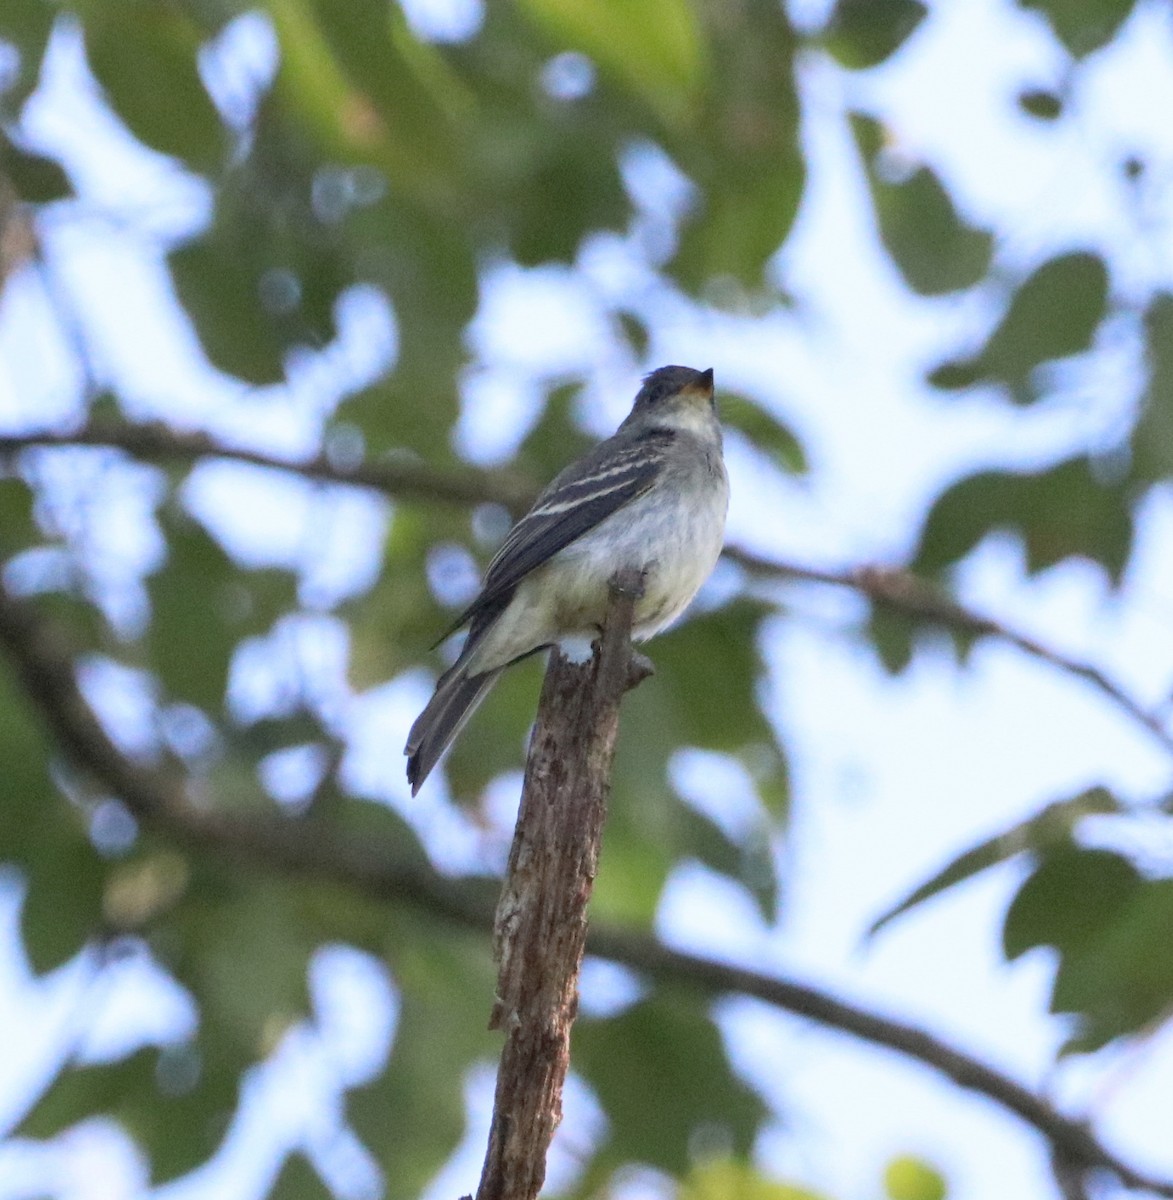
701 388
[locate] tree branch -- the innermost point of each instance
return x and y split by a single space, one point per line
541 923
312 849
904 592
400 478
18 237
898 590
1071 1140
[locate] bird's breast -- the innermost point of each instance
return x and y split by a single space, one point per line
673 534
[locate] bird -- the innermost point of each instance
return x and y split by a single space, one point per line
652 498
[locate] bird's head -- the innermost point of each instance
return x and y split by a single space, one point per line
676 398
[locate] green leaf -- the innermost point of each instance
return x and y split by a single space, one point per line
933 248
1110 927
634 866
703 694
635 331
190 637
653 49
221 295
375 824
262 737
1125 982
355 80
26 26
1152 439
765 431
731 1179
1055 313
557 437
1083 25
37 179
144 56
412 1116
743 154
1065 511
661 1073
1053 826
243 947
750 863
909 1178
299 1181
1070 901
1039 102
63 909
740 226
25 779
863 33
707 671
548 217
891 633
176 1103
263 279
16 513
46 836
956 375
426 266
396 625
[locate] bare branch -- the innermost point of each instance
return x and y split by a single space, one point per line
159 799
541 924
18 237
906 593
405 479
311 849
1071 1139
402 478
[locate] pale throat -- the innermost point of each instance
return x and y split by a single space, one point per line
695 418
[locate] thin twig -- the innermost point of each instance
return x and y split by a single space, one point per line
401 477
311 849
899 590
906 593
18 235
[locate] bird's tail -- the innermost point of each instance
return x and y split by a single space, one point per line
456 698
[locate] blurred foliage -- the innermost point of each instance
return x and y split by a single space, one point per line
1053 826
657 1048
374 156
862 33
905 1178
1152 439
35 178
933 248
1062 512
908 1178
732 1179
1109 925
1053 313
1083 25
1039 102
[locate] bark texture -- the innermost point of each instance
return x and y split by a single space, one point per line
541 922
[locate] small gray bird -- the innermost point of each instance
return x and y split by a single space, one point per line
653 497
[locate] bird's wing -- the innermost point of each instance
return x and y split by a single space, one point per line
577 500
